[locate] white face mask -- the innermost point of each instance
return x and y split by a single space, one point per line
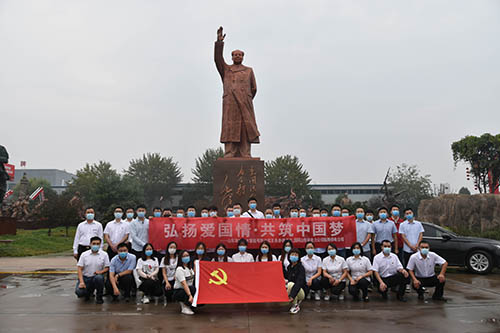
172 250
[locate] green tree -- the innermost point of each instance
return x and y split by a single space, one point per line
157 175
203 174
483 156
464 190
409 186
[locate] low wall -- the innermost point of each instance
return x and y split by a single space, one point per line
8 225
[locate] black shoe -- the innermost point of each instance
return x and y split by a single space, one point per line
127 299
402 299
356 298
115 298
87 298
99 300
421 297
435 298
384 295
366 299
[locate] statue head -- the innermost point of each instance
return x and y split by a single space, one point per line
237 56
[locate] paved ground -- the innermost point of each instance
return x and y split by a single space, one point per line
39 302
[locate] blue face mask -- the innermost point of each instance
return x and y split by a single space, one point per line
294 214
369 218
336 213
332 252
395 213
118 215
382 216
324 214
213 214
180 215
141 214
264 250
310 251
130 215
356 252
200 252
294 258
157 214
303 214
204 214
149 253
269 216
90 216
230 214
287 249
122 255
95 248
191 213
345 214
237 211
242 248
186 260
276 212
221 252
387 250
253 205
424 251
360 215
409 216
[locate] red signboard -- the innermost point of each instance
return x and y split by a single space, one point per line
11 170
186 232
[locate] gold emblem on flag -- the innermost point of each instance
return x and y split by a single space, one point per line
219 279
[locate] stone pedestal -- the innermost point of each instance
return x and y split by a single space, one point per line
236 180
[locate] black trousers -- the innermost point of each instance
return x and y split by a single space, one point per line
362 285
336 290
315 285
432 281
181 296
169 293
150 287
110 252
125 284
137 254
397 279
81 249
406 258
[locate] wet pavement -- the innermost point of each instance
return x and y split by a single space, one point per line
47 303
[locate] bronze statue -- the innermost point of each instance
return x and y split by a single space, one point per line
239 128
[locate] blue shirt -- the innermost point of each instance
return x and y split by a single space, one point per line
412 231
138 233
363 228
384 230
117 265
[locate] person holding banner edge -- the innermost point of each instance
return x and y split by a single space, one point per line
184 289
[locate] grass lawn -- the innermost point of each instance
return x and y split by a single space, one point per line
37 242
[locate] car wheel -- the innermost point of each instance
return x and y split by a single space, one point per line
479 262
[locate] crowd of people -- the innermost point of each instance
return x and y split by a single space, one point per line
389 254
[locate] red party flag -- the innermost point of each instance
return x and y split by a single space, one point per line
239 282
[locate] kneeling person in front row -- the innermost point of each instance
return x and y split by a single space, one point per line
421 268
389 272
295 281
184 289
92 266
120 273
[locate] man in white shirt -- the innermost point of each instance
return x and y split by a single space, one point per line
129 217
277 211
92 266
252 210
116 232
411 232
389 272
85 231
138 232
421 267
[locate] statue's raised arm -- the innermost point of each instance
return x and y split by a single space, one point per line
218 52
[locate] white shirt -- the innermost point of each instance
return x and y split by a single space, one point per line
286 262
256 215
183 274
170 268
386 265
84 232
138 231
93 262
221 259
116 231
148 266
335 267
245 257
311 265
359 266
263 260
412 232
424 267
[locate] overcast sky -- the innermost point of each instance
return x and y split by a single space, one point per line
350 87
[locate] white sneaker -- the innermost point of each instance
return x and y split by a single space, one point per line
186 309
341 297
295 309
145 300
317 296
309 295
327 297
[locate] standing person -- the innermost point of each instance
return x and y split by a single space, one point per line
138 232
302 212
168 265
360 272
204 212
369 215
320 251
396 218
252 210
237 210
265 252
229 212
345 212
179 212
120 273
221 252
295 277
285 252
212 212
148 268
277 211
116 232
316 212
184 289
92 265
336 210
421 268
334 273
385 230
129 217
157 212
268 213
191 211
412 233
312 266
364 231
167 212
389 272
323 212
294 212
242 255
85 231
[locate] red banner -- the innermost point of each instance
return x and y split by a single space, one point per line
238 282
10 169
186 232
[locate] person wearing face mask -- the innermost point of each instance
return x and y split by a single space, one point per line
120 273
252 210
312 265
336 210
268 213
395 217
265 252
385 229
294 212
277 211
116 232
421 267
334 270
345 212
147 268
129 217
360 272
204 212
138 232
364 231
320 251
191 212
221 254
295 281
389 272
242 255
200 253
323 212
84 232
287 247
229 212
167 212
237 210
168 265
92 265
184 289
179 212
156 212
412 233
302 212
369 215
212 212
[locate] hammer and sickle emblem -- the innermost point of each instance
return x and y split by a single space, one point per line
219 279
